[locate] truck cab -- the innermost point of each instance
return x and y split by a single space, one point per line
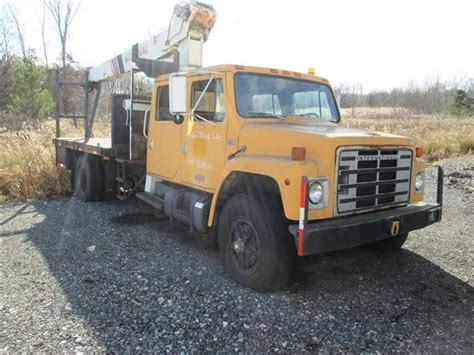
258 156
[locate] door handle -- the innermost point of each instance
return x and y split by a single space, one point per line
145 122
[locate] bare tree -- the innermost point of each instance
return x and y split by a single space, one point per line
7 60
6 33
356 92
19 32
42 22
63 12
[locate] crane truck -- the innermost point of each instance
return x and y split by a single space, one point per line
257 156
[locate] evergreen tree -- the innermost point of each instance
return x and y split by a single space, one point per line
460 104
29 96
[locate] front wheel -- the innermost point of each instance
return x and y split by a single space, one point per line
389 244
257 249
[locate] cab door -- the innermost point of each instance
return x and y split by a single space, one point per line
204 134
164 138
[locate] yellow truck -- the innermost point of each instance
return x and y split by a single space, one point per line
258 157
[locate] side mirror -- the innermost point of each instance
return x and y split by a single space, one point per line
178 99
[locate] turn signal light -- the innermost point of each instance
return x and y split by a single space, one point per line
419 152
298 153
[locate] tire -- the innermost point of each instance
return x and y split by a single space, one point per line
256 247
72 178
389 244
109 169
88 178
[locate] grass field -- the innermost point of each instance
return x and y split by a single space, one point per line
27 161
441 137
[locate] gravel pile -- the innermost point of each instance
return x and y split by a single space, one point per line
114 277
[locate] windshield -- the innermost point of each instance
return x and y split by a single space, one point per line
269 96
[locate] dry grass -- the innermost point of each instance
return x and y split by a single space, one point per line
28 170
376 112
27 167
27 162
441 137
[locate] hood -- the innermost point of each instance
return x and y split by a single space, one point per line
278 137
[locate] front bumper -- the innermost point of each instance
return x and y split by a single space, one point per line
348 232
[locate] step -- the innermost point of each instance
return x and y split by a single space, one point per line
151 199
127 161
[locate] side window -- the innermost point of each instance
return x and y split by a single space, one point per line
266 103
163 104
211 105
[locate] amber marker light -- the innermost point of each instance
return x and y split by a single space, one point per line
298 153
287 181
419 152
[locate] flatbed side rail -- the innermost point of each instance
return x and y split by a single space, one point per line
93 146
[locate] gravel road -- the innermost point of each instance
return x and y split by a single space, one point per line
113 277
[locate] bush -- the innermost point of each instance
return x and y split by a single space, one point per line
29 97
12 122
460 104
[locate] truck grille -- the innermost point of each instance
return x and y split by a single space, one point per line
369 178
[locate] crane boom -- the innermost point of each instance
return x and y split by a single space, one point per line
179 47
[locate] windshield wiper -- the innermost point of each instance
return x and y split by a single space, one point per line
256 114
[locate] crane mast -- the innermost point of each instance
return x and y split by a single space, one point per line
178 47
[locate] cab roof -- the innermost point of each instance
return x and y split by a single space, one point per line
234 68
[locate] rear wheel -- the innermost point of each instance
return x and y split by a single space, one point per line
257 249
88 178
389 244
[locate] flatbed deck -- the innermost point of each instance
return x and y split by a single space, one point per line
96 146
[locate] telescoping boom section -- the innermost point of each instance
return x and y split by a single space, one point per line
179 47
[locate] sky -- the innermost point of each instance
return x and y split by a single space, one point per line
379 44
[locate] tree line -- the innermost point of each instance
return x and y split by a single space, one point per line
27 77
430 97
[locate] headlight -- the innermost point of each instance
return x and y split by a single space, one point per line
420 181
316 193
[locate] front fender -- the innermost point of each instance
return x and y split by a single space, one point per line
287 174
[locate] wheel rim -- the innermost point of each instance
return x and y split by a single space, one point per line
244 245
